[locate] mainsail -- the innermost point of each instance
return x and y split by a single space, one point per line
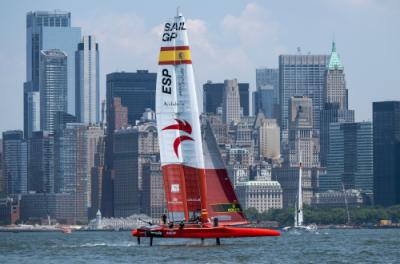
195 181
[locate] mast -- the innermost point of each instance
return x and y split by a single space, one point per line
346 203
300 195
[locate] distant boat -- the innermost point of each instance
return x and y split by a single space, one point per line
298 208
200 198
67 230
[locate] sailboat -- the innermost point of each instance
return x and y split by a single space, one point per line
200 199
298 208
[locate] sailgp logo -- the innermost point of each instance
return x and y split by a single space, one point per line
182 126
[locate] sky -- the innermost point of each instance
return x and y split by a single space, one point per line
229 39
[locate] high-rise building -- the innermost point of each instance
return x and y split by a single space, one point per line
31 110
213 97
231 102
94 138
118 115
96 175
126 172
303 146
53 86
335 84
350 158
87 81
155 204
266 97
386 135
137 92
331 114
71 161
335 101
41 162
47 30
269 139
301 75
243 132
15 162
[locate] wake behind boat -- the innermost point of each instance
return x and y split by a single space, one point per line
200 199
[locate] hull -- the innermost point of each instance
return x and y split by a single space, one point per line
205 232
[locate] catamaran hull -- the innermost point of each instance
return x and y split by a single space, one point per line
212 232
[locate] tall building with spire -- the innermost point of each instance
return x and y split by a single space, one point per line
335 101
335 91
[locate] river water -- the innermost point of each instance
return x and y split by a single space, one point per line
324 246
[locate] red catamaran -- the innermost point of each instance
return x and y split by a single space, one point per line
200 198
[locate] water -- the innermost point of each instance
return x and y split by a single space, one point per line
325 246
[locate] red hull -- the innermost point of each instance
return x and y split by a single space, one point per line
206 232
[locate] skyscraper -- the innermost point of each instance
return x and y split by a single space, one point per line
48 30
335 101
213 94
72 167
126 172
231 102
15 158
53 86
386 133
269 139
266 97
136 89
303 147
41 162
301 75
350 158
335 84
94 138
31 110
87 81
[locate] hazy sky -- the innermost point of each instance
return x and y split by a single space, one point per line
229 39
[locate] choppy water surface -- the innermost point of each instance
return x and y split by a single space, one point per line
325 246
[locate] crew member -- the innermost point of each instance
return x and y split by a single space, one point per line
164 219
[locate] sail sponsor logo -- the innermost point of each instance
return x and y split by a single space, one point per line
172 103
228 208
170 30
181 126
174 188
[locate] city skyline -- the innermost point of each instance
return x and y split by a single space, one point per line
221 33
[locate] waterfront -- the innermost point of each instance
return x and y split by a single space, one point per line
325 246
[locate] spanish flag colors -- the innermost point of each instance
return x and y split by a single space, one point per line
175 55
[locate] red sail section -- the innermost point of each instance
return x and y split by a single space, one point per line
222 200
181 185
182 192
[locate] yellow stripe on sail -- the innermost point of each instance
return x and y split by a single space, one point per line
175 57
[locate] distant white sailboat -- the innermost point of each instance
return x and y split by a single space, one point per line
298 208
